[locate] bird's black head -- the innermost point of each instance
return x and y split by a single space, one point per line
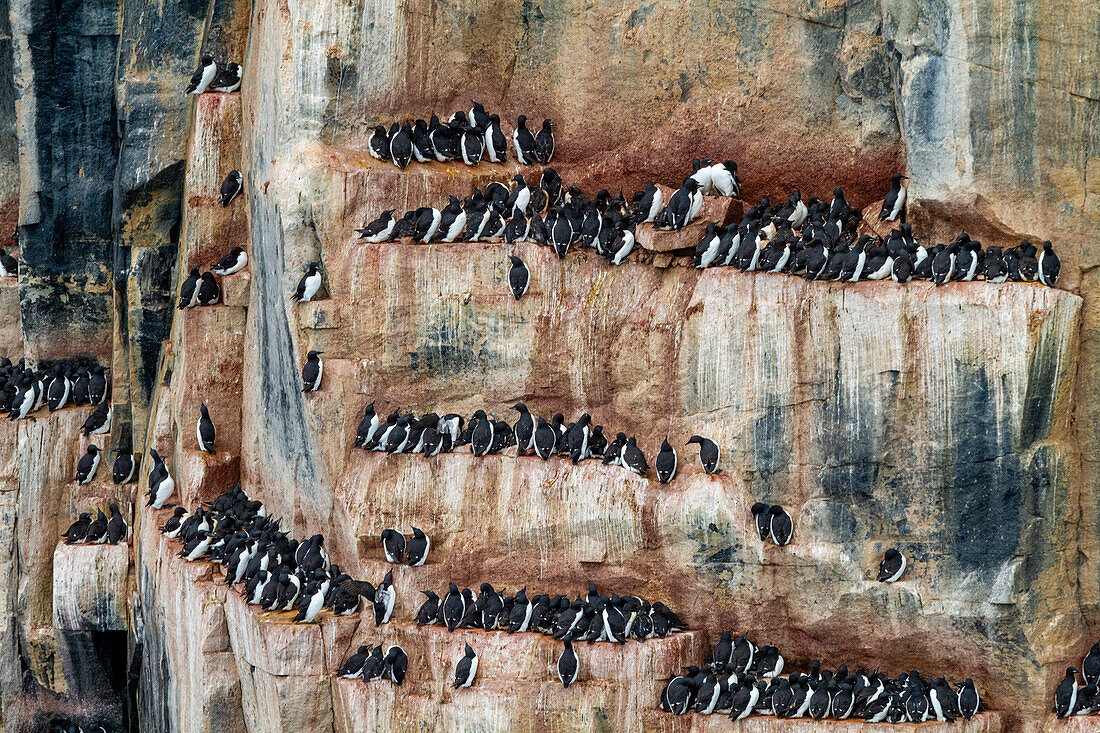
547 124
759 508
206 60
891 554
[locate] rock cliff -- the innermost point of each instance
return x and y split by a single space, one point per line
955 423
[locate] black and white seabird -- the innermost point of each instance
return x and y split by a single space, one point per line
352 668
1065 696
397 664
453 608
87 466
205 431
568 666
761 512
418 546
544 143
892 566
709 453
59 389
969 700
894 202
379 143
203 76
9 266
116 526
780 526
665 463
97 386
545 439
633 458
524 143
524 429
393 545
229 79
1049 266
496 145
209 292
375 665
172 527
684 205
99 422
401 146
519 277
78 530
723 179
97 530
233 262
380 229
649 205
231 186
124 468
309 284
384 597
466 669
623 244
189 291
161 484
368 427
428 613
477 114
481 438
312 371
472 144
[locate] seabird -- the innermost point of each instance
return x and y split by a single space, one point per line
231 186
665 463
761 512
524 143
892 566
780 526
189 291
544 143
203 76
309 284
312 372
894 202
123 470
401 146
160 482
416 553
233 262
205 430
568 665
78 530
1065 696
709 453
496 145
1049 266
116 526
228 81
466 669
380 229
393 545
99 422
209 292
396 665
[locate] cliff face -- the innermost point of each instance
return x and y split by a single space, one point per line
956 423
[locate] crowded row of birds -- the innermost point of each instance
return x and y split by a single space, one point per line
593 617
741 679
1073 698
431 434
270 569
71 383
812 239
102 530
471 137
